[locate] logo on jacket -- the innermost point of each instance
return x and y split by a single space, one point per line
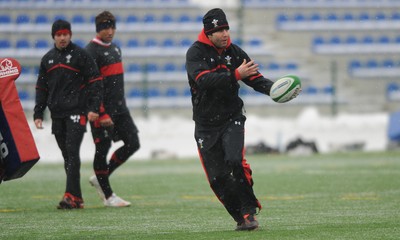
228 60
200 141
68 57
215 22
116 49
75 118
7 69
51 61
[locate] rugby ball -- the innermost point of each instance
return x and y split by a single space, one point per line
285 88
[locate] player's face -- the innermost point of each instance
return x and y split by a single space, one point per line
62 40
106 35
220 38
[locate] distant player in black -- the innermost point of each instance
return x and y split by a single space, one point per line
69 83
214 66
115 122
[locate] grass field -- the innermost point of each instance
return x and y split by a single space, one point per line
336 196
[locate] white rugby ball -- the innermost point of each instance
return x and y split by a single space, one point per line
285 88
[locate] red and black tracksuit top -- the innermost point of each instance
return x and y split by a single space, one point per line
109 60
213 81
69 83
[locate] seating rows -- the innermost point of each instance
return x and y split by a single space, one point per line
42 18
338 21
393 91
354 44
374 68
321 3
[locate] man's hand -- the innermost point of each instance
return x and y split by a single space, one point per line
39 123
107 122
92 116
247 69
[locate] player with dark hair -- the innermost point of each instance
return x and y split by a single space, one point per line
69 83
215 66
115 122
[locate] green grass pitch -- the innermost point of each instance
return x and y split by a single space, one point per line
333 196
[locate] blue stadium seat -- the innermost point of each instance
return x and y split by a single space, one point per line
315 17
380 16
310 90
41 43
291 66
388 63
354 64
348 16
171 92
372 63
367 39
397 39
384 39
135 93
318 40
169 67
364 16
167 18
152 67
79 42
299 17
395 16
23 95
134 68
22 43
255 42
332 17
328 90
335 40
5 44
117 42
78 19
282 17
168 42
186 92
132 19
149 18
184 18
42 19
199 18
153 92
273 66
25 70
22 19
351 39
186 42
59 16
150 42
5 19
133 43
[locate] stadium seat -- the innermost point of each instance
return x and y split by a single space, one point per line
335 40
153 92
315 17
273 66
372 63
291 66
348 16
132 19
135 93
328 90
395 16
23 95
167 18
79 42
380 16
367 39
149 18
169 67
384 39
388 63
392 87
171 92
25 70
42 19
364 16
5 19
59 16
117 42
5 44
186 42
134 68
168 42
351 39
255 42
22 43
318 40
78 19
150 42
310 90
133 43
354 64
299 17
22 19
41 43
184 18
186 92
331 17
152 67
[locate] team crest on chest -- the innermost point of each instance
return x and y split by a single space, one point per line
68 57
228 60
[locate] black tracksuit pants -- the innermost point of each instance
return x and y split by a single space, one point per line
221 151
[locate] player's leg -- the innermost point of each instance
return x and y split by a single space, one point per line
126 130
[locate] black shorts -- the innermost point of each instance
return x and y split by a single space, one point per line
70 124
123 126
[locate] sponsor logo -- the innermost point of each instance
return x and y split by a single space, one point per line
3 148
7 69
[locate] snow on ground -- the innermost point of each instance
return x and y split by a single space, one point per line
173 136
